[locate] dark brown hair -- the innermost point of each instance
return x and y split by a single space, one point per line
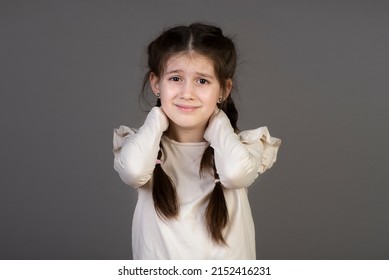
209 41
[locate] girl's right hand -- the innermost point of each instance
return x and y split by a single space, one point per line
159 116
136 150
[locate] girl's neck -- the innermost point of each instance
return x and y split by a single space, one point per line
188 135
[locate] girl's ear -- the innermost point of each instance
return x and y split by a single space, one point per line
228 89
154 83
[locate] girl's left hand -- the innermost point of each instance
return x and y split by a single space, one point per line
218 121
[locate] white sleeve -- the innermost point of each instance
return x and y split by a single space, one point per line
239 158
135 152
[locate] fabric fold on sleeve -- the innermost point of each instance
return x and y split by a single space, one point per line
270 145
119 135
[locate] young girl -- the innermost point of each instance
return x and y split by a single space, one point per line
189 163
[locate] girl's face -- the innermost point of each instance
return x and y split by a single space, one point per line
189 92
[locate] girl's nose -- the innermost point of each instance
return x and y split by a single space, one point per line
187 91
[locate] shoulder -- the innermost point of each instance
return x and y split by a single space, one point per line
258 134
263 144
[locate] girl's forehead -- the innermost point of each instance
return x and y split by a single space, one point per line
189 61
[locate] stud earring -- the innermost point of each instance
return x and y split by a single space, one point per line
158 95
219 100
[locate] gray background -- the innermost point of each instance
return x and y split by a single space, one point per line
314 72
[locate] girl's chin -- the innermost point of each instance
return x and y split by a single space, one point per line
179 124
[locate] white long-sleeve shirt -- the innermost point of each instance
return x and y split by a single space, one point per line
238 158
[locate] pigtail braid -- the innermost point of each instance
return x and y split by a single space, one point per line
216 213
164 192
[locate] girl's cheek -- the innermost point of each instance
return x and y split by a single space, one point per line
163 107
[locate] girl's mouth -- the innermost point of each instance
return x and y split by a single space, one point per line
186 108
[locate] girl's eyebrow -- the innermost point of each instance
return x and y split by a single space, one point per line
173 71
205 75
197 73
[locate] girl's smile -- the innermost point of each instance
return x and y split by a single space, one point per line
187 108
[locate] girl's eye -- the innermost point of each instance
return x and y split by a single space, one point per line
175 79
203 81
